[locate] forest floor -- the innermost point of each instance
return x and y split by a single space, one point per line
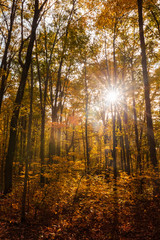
129 209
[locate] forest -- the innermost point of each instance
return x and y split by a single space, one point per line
79 119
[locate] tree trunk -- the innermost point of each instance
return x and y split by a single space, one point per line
123 156
114 107
150 133
28 152
126 140
18 101
43 106
4 59
107 67
42 149
136 126
105 143
73 138
86 122
114 141
43 101
52 143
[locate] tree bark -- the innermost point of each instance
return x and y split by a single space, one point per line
126 139
136 126
4 59
150 132
86 121
114 107
23 216
123 156
114 141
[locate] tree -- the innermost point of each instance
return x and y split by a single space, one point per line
86 118
13 125
4 68
150 132
28 157
55 106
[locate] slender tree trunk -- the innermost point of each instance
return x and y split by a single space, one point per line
20 140
84 146
4 59
107 67
123 156
42 149
86 121
126 139
43 100
136 127
28 152
4 148
114 141
73 138
113 109
114 55
73 147
150 133
105 143
52 143
24 140
43 106
59 133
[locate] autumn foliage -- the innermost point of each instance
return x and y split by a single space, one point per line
79 119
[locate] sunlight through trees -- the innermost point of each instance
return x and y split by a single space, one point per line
80 116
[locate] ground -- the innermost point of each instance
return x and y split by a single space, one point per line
127 210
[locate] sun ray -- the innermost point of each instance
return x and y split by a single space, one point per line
113 96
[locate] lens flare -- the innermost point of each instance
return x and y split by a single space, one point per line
113 96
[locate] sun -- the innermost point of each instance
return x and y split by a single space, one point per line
113 96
